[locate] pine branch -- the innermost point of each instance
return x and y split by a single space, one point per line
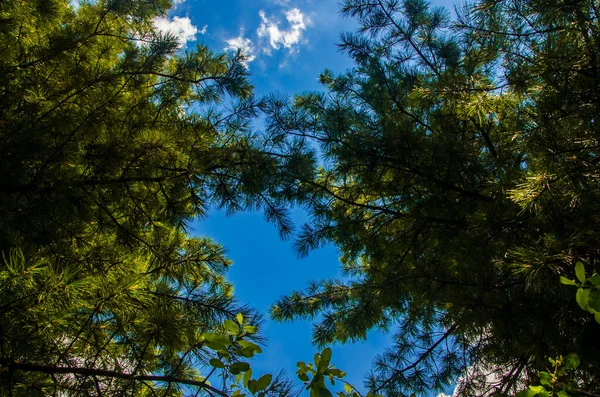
95 372
421 358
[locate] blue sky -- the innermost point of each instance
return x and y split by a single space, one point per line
288 44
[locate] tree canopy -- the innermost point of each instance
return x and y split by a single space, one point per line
455 166
112 141
460 181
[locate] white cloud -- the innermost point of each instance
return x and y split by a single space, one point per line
243 44
182 28
269 29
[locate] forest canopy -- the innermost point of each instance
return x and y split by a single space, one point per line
455 166
113 141
460 182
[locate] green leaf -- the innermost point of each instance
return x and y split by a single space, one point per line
594 280
252 386
572 361
231 327
324 392
215 346
240 318
247 352
250 329
580 272
240 366
252 346
325 357
562 393
247 377
594 300
263 382
303 377
537 389
217 338
597 317
526 393
545 378
566 281
215 362
582 297
336 372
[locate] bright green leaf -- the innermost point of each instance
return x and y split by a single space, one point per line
252 346
231 327
526 393
537 389
566 281
217 338
582 297
215 346
240 318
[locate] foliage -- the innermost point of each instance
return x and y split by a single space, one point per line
588 293
460 181
557 381
315 377
111 141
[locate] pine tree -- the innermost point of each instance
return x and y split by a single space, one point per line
459 180
112 141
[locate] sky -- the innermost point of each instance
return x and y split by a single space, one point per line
288 43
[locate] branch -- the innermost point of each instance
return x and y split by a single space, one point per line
95 372
421 358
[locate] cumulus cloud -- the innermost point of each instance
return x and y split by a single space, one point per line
288 38
243 44
181 28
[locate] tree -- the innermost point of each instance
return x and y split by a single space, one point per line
459 180
111 141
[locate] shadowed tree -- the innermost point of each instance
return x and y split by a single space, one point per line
459 180
111 141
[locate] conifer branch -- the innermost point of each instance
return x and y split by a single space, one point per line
102 373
